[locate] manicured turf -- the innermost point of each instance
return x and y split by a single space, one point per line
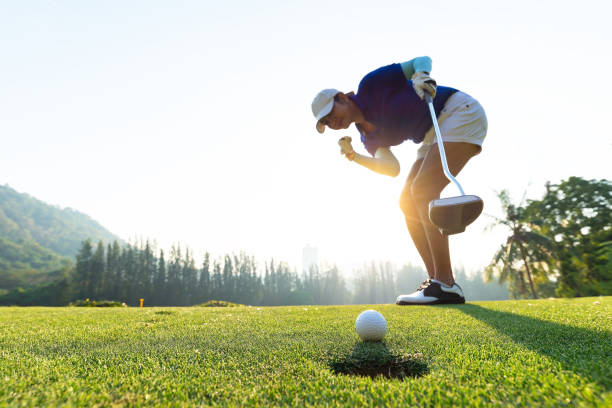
514 353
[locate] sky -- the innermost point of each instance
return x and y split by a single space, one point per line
190 122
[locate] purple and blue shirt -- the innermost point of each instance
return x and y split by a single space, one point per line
387 99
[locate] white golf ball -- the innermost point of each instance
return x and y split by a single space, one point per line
371 325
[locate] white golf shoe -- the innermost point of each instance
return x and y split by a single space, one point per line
432 292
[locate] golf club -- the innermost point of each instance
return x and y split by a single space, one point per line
451 215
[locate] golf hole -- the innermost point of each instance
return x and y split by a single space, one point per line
374 360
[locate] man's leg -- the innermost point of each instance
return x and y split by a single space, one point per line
413 221
426 186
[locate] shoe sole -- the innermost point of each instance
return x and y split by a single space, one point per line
435 302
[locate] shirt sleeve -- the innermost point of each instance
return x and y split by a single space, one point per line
370 144
415 65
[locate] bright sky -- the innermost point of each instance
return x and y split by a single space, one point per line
190 121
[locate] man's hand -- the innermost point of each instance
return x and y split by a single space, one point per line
422 82
346 148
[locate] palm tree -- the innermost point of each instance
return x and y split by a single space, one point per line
525 246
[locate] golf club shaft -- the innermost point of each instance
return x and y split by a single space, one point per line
447 172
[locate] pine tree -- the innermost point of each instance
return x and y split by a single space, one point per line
189 279
159 283
204 288
312 283
109 272
174 276
409 277
284 283
83 269
117 273
128 262
147 271
217 282
228 279
266 285
96 282
256 285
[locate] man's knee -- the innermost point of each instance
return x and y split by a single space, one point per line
423 190
406 202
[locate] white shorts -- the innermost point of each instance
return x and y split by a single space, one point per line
462 120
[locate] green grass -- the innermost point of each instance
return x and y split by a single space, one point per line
515 353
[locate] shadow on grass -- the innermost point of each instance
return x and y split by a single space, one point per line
586 352
373 359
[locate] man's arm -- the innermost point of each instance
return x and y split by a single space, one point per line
418 70
383 162
418 64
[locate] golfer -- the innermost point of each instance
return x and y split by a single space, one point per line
387 110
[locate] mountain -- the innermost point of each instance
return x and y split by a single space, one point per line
36 237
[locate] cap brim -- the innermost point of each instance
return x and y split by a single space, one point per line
323 113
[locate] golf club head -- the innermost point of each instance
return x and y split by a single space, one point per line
453 214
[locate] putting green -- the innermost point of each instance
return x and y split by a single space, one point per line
552 352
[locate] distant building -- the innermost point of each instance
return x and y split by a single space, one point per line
310 256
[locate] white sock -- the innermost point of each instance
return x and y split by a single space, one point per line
442 283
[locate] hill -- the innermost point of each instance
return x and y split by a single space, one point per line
36 236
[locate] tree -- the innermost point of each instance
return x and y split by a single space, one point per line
204 281
116 272
146 270
311 283
576 215
159 282
217 280
227 293
409 277
525 255
173 292
190 280
128 290
334 288
377 283
83 269
109 272
97 270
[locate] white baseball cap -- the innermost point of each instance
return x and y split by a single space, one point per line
322 104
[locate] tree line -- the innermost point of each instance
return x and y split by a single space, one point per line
560 245
134 271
